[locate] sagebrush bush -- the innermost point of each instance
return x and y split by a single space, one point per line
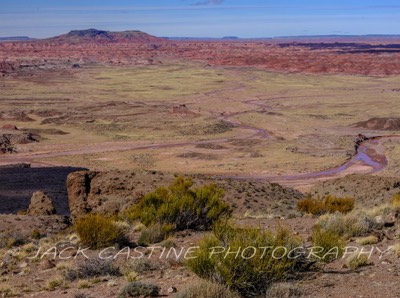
142 265
206 289
11 238
97 231
139 289
381 210
329 204
182 206
253 270
356 223
92 268
331 244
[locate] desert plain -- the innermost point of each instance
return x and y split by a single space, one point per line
268 121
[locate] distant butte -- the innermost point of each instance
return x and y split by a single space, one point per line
100 36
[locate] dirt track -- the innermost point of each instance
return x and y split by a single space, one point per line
370 157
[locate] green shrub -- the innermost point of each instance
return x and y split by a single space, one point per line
331 244
139 289
35 234
206 289
329 204
97 231
253 270
181 206
154 234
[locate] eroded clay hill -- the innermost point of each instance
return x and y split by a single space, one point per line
135 47
388 123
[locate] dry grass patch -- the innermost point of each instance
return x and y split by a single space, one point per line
55 283
357 260
329 204
83 284
6 291
367 240
395 249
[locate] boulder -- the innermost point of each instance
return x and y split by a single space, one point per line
41 204
172 290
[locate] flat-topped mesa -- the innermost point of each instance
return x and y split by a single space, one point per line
101 36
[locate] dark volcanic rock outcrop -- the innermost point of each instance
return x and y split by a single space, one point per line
389 123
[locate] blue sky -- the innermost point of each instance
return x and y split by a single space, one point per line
201 18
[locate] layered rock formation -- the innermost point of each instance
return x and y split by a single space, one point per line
135 47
